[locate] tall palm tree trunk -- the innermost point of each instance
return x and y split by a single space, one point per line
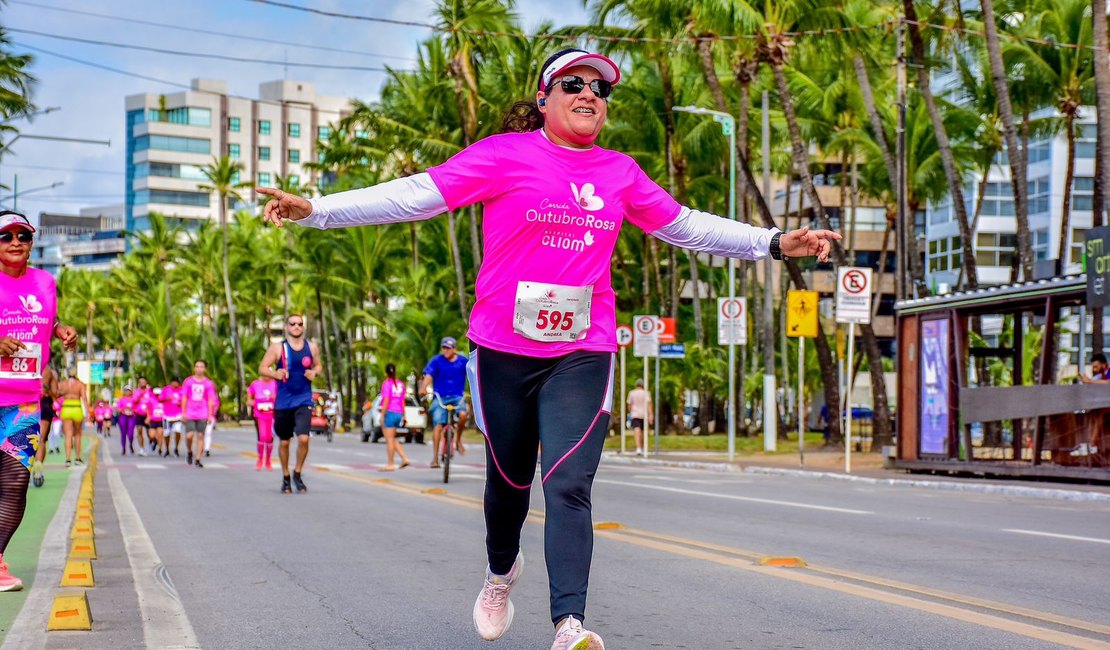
944 145
456 257
1102 147
233 321
1017 155
322 329
883 431
173 326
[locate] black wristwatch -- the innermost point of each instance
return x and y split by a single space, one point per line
776 252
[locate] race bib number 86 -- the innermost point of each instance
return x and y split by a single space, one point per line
23 364
552 312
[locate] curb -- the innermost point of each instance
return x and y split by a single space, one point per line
953 486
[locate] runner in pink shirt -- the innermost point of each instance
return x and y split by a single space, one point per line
125 406
544 318
393 416
171 404
28 322
261 396
143 399
199 407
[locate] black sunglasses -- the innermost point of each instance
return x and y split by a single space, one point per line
296 324
573 84
23 236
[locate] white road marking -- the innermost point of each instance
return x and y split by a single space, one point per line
773 502
1074 538
215 466
704 481
151 466
165 623
27 630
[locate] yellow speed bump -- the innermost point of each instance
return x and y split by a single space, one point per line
85 505
85 517
70 612
83 548
607 525
81 529
78 573
788 562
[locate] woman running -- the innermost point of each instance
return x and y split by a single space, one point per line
393 416
261 396
74 413
155 418
125 405
29 304
544 318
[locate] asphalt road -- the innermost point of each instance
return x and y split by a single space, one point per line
388 561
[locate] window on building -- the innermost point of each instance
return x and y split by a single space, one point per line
263 179
294 130
233 124
998 200
1083 193
170 197
1085 136
1040 245
173 143
1078 237
170 170
323 132
320 155
294 180
362 133
233 150
944 254
263 153
1038 195
235 178
185 115
995 249
294 155
263 127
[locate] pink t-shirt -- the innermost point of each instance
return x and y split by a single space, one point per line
171 402
157 411
103 413
264 393
28 306
126 405
552 216
199 395
142 400
393 396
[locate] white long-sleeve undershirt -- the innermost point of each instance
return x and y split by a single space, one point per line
416 198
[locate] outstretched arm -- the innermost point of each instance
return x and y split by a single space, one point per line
709 233
413 198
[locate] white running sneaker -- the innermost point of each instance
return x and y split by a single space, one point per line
572 636
493 611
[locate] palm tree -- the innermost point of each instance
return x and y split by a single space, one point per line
16 84
1102 164
161 243
223 177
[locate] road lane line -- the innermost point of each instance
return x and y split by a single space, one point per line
748 560
151 466
733 497
165 623
1039 533
26 632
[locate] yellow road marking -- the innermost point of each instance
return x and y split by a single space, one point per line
820 577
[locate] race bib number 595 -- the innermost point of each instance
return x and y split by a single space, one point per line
23 364
552 312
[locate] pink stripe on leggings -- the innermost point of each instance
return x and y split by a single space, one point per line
574 448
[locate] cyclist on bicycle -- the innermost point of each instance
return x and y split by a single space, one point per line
447 373
544 320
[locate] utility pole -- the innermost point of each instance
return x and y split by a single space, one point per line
903 227
770 410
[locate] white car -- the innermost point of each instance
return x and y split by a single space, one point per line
416 420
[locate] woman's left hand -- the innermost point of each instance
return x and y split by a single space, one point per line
67 334
807 243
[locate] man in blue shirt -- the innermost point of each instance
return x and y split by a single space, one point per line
447 372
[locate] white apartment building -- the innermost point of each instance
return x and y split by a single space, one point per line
171 136
995 233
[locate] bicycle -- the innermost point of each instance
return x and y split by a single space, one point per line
448 449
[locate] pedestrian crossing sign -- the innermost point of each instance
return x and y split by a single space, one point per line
801 314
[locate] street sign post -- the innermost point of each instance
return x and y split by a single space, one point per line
624 339
732 321
672 351
645 343
801 323
853 305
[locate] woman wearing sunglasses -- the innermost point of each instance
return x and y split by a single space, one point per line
28 308
544 322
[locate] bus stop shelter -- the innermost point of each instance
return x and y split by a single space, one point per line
978 391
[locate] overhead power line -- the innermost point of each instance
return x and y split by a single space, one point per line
240 37
63 169
199 55
136 75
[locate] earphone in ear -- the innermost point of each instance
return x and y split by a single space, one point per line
543 102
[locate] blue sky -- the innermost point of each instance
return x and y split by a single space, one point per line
92 99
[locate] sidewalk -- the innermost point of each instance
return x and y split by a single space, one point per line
824 463
23 549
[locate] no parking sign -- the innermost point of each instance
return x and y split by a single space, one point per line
853 295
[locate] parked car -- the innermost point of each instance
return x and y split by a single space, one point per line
416 420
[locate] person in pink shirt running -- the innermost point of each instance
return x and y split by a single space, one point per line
393 416
171 403
543 322
125 406
28 322
261 396
199 407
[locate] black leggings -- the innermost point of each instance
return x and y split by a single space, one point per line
13 497
563 403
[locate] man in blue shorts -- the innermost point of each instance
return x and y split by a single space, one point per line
446 372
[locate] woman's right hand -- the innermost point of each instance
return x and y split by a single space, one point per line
284 206
9 346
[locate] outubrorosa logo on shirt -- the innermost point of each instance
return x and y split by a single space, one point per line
31 304
586 199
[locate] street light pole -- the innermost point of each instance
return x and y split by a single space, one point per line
16 193
53 138
728 127
770 409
